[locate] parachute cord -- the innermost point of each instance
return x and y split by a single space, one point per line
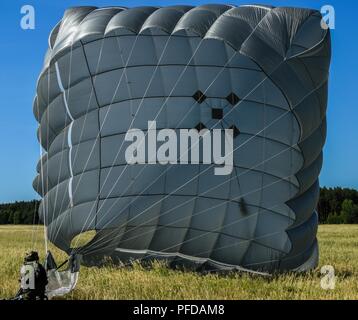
45 237
33 228
44 209
43 192
36 208
34 224
47 167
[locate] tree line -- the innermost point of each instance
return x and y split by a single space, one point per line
22 212
338 206
335 206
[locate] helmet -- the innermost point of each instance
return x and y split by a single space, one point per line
31 256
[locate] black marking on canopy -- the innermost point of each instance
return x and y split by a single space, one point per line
200 126
233 99
235 129
217 113
199 97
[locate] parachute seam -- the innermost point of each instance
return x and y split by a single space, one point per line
69 136
99 138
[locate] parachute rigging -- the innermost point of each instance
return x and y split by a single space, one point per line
63 282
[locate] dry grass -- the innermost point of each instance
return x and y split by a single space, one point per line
338 247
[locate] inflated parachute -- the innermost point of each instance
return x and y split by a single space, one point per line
258 70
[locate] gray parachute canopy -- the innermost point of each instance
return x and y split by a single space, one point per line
259 70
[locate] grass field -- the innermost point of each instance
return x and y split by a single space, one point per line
338 247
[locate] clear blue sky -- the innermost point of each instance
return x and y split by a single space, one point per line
21 57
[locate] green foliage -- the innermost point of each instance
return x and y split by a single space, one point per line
349 211
348 214
334 218
338 206
24 212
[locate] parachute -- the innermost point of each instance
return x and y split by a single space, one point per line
259 71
